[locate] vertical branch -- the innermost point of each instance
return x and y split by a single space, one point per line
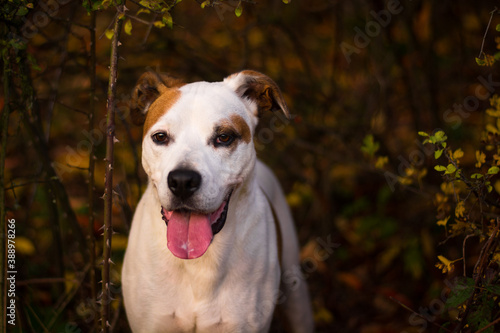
108 191
4 123
91 115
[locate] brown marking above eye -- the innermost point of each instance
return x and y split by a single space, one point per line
160 107
241 127
230 131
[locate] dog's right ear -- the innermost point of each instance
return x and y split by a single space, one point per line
148 88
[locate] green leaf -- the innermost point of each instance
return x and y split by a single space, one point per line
493 170
476 176
239 10
450 169
497 28
423 134
287 1
128 27
460 293
167 19
440 136
494 289
205 3
438 153
97 5
22 11
369 146
440 168
480 62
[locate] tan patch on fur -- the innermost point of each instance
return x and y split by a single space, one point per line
161 107
241 127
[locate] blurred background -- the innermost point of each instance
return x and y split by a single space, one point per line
361 79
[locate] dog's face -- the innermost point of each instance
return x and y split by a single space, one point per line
197 148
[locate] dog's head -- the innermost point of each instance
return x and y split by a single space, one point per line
198 147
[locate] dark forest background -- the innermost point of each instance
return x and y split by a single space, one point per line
361 79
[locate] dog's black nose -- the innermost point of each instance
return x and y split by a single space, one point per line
183 182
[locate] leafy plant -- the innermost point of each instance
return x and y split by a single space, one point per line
468 206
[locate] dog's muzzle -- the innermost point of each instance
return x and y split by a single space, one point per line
190 232
183 183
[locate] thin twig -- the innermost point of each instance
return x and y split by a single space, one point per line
479 268
486 32
91 169
3 151
68 297
41 147
416 313
108 192
63 54
77 167
44 281
13 186
463 253
497 321
72 108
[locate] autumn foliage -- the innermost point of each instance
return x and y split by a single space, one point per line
390 161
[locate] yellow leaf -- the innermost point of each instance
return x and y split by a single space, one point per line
109 33
159 24
294 199
480 157
381 162
460 209
142 10
24 246
445 265
448 188
458 154
443 222
322 315
497 186
493 113
128 27
239 10
405 181
491 129
496 158
69 282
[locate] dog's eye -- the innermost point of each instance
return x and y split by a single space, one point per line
160 137
224 140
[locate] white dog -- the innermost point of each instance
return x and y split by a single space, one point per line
212 246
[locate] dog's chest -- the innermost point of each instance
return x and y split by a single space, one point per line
195 306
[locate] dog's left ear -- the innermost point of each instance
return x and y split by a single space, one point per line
148 88
260 89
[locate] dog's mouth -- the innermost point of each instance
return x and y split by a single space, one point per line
190 233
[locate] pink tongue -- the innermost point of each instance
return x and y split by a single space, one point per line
188 234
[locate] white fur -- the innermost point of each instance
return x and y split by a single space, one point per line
234 286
